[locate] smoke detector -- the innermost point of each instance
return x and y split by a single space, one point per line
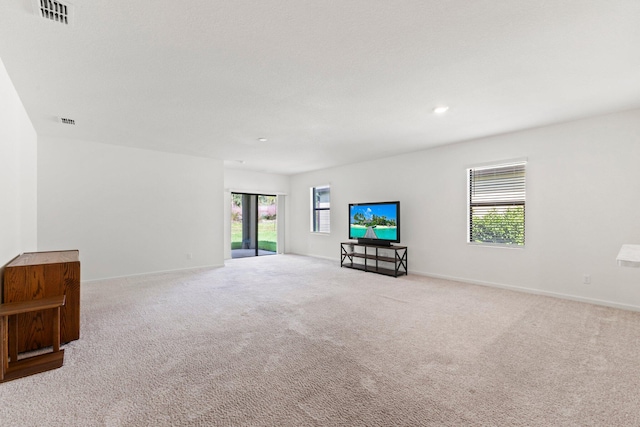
54 11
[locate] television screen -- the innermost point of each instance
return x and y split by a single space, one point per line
375 221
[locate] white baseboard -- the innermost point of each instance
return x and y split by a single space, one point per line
531 291
428 274
202 267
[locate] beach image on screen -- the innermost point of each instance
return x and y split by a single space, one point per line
373 222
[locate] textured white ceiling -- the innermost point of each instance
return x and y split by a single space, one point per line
328 82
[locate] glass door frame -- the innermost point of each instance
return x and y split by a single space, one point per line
254 226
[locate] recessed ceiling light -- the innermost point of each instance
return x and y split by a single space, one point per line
262 139
440 109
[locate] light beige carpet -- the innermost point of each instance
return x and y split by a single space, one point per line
296 341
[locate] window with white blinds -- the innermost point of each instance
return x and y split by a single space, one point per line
321 209
497 204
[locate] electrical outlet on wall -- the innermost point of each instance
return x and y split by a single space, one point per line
586 279
189 255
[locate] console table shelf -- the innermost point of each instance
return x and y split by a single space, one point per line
387 260
37 275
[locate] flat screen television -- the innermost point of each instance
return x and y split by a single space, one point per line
375 223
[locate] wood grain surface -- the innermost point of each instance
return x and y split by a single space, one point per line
38 275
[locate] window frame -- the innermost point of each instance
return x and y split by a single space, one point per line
518 187
316 223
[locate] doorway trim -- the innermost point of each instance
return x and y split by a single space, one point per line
250 243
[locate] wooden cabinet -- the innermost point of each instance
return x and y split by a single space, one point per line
388 260
37 275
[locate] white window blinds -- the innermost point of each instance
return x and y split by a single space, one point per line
497 204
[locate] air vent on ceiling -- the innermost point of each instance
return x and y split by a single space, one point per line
66 121
54 10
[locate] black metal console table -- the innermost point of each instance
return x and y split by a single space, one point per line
387 260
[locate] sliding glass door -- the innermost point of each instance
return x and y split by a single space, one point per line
267 227
253 225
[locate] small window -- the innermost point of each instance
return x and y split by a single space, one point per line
496 204
320 209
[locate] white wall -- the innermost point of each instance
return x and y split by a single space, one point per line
240 181
583 200
129 211
18 191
